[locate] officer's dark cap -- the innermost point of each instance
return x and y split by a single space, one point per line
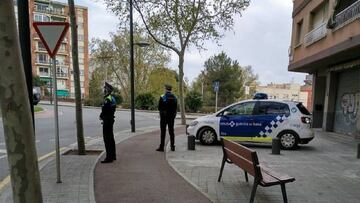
168 87
108 87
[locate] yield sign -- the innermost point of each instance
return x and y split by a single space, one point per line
51 35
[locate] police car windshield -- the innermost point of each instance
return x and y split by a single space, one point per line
302 109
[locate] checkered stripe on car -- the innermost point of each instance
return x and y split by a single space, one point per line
272 126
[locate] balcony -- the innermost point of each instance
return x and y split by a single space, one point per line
44 74
62 75
348 15
47 62
49 10
315 35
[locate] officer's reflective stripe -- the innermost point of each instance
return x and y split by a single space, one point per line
163 97
111 99
250 139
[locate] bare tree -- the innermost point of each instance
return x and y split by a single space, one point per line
15 108
75 60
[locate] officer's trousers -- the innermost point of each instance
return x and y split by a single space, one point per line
109 140
167 121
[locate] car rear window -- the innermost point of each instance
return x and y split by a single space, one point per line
302 109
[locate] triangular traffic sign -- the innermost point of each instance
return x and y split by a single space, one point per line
51 35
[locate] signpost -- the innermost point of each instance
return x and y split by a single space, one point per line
216 89
51 35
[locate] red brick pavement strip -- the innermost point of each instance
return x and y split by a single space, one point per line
142 174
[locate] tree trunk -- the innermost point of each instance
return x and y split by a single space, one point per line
15 107
181 87
75 60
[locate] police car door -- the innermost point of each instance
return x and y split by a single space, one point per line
236 121
271 116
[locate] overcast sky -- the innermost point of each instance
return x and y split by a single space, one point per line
261 38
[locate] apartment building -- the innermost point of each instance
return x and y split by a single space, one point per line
326 43
52 11
288 91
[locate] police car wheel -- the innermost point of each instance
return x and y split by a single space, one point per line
207 136
288 140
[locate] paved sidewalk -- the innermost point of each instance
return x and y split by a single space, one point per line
326 170
76 173
141 174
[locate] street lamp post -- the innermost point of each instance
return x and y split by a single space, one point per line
132 86
132 83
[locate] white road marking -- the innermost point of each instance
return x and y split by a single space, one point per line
4 156
3 151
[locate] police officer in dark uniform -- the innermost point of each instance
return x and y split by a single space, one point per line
168 108
107 116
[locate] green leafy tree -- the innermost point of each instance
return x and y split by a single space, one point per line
231 76
159 77
37 82
95 88
112 57
179 24
193 101
145 101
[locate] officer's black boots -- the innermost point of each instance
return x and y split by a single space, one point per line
172 148
160 149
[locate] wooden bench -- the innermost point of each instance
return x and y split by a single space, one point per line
247 160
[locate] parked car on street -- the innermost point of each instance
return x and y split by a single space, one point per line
256 121
36 95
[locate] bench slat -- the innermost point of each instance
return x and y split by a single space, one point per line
240 161
239 149
284 178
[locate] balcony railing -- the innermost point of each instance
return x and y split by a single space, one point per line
348 15
44 74
315 35
62 75
43 61
50 11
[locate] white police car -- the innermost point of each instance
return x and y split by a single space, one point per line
256 121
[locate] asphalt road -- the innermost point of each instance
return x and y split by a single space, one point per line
45 133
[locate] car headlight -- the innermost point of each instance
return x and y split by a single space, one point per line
193 123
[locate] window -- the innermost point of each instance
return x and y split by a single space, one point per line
342 5
58 19
41 8
44 71
42 58
303 109
271 108
241 109
41 46
299 33
41 18
319 16
62 71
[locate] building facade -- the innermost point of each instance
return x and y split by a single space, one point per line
52 11
290 92
326 43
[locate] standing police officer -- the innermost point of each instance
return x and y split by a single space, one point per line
168 108
107 117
